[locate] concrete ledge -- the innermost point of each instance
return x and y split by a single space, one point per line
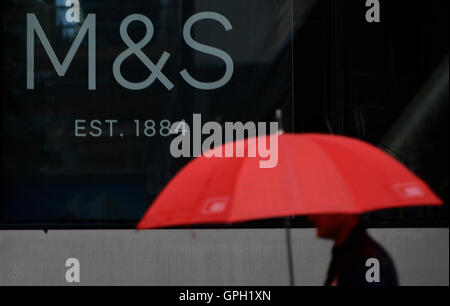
254 257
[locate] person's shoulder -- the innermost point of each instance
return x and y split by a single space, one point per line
372 249
369 270
377 260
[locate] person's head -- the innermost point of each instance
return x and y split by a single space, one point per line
336 227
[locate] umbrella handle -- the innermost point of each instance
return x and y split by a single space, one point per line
289 252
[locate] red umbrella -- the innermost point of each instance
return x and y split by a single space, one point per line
316 174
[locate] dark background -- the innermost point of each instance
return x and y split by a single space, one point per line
349 77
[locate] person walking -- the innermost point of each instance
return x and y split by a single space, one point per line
357 259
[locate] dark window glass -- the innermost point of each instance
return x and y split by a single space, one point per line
319 61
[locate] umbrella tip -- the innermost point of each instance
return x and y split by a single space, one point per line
279 117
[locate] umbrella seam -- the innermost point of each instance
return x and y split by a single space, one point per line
349 192
235 184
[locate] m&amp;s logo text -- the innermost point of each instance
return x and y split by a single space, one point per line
134 48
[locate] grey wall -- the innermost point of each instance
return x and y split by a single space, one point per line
204 257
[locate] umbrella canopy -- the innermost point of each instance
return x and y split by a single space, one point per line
315 174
